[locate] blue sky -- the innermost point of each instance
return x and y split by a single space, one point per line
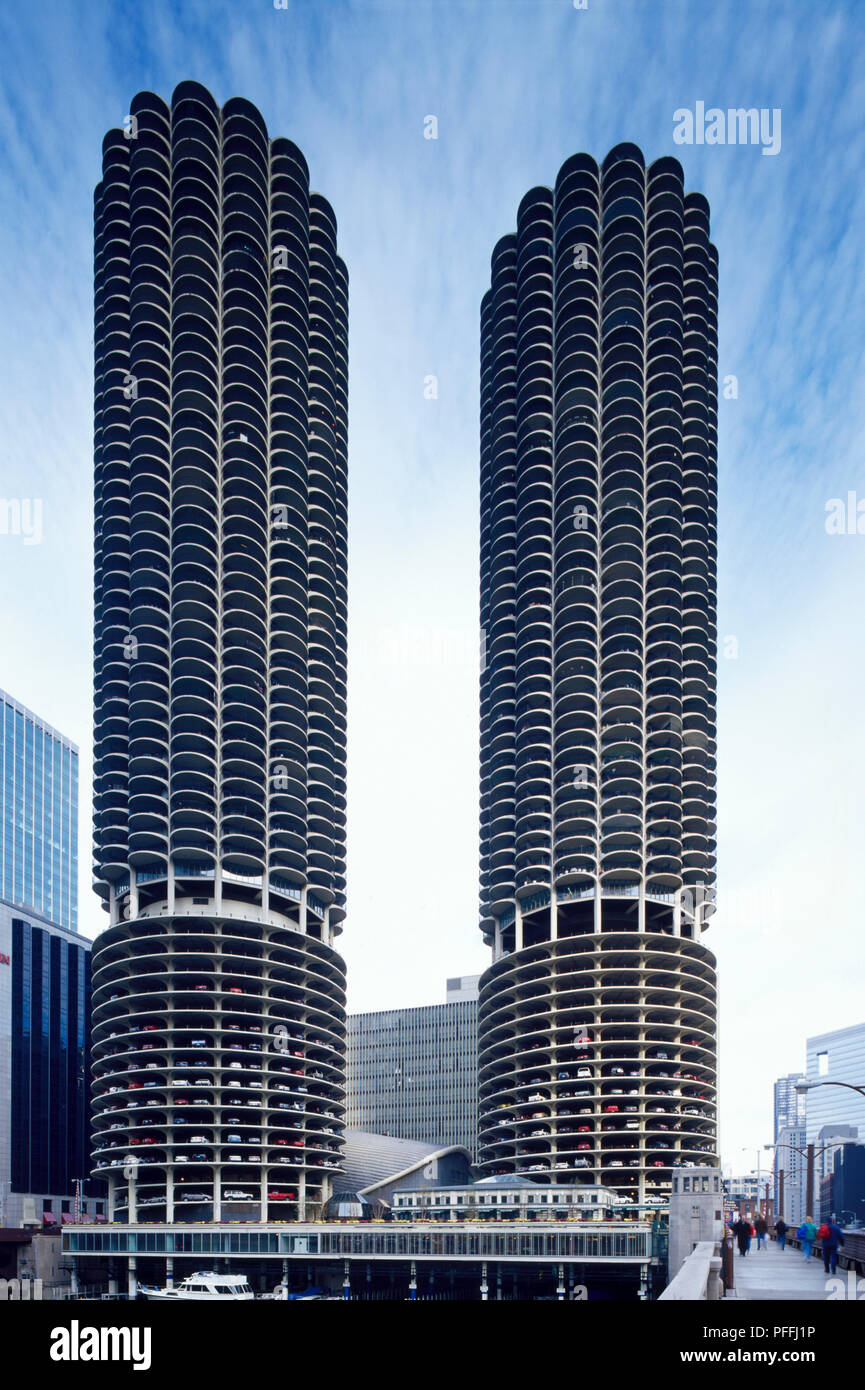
516 86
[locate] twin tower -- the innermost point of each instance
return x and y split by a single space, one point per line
221 335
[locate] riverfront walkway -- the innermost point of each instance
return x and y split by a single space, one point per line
787 1277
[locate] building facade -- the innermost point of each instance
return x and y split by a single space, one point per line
412 1073
791 1159
836 1056
848 1185
38 816
789 1104
44 976
44 1069
220 667
597 1017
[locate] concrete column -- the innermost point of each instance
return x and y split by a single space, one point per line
303 910
484 1285
412 1283
170 898
169 1271
132 1286
560 1289
598 909
169 1193
497 943
133 895
346 1281
217 890
73 1280
301 1196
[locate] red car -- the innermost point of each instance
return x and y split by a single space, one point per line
235 989
280 1196
609 1108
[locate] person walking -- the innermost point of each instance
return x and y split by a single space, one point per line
750 1233
741 1230
781 1229
761 1229
831 1239
807 1233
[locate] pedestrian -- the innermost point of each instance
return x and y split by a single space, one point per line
750 1233
781 1229
807 1233
831 1239
762 1230
741 1229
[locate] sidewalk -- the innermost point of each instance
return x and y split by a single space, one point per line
768 1274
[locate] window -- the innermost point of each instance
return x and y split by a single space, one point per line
822 1063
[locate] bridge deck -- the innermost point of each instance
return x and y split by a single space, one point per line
785 1276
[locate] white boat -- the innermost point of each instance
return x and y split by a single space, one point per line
224 1288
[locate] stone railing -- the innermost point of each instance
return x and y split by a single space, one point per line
699 1279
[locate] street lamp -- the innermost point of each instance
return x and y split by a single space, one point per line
810 1085
809 1153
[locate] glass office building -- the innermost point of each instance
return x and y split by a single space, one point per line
412 1073
835 1057
44 1005
789 1103
44 974
38 816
